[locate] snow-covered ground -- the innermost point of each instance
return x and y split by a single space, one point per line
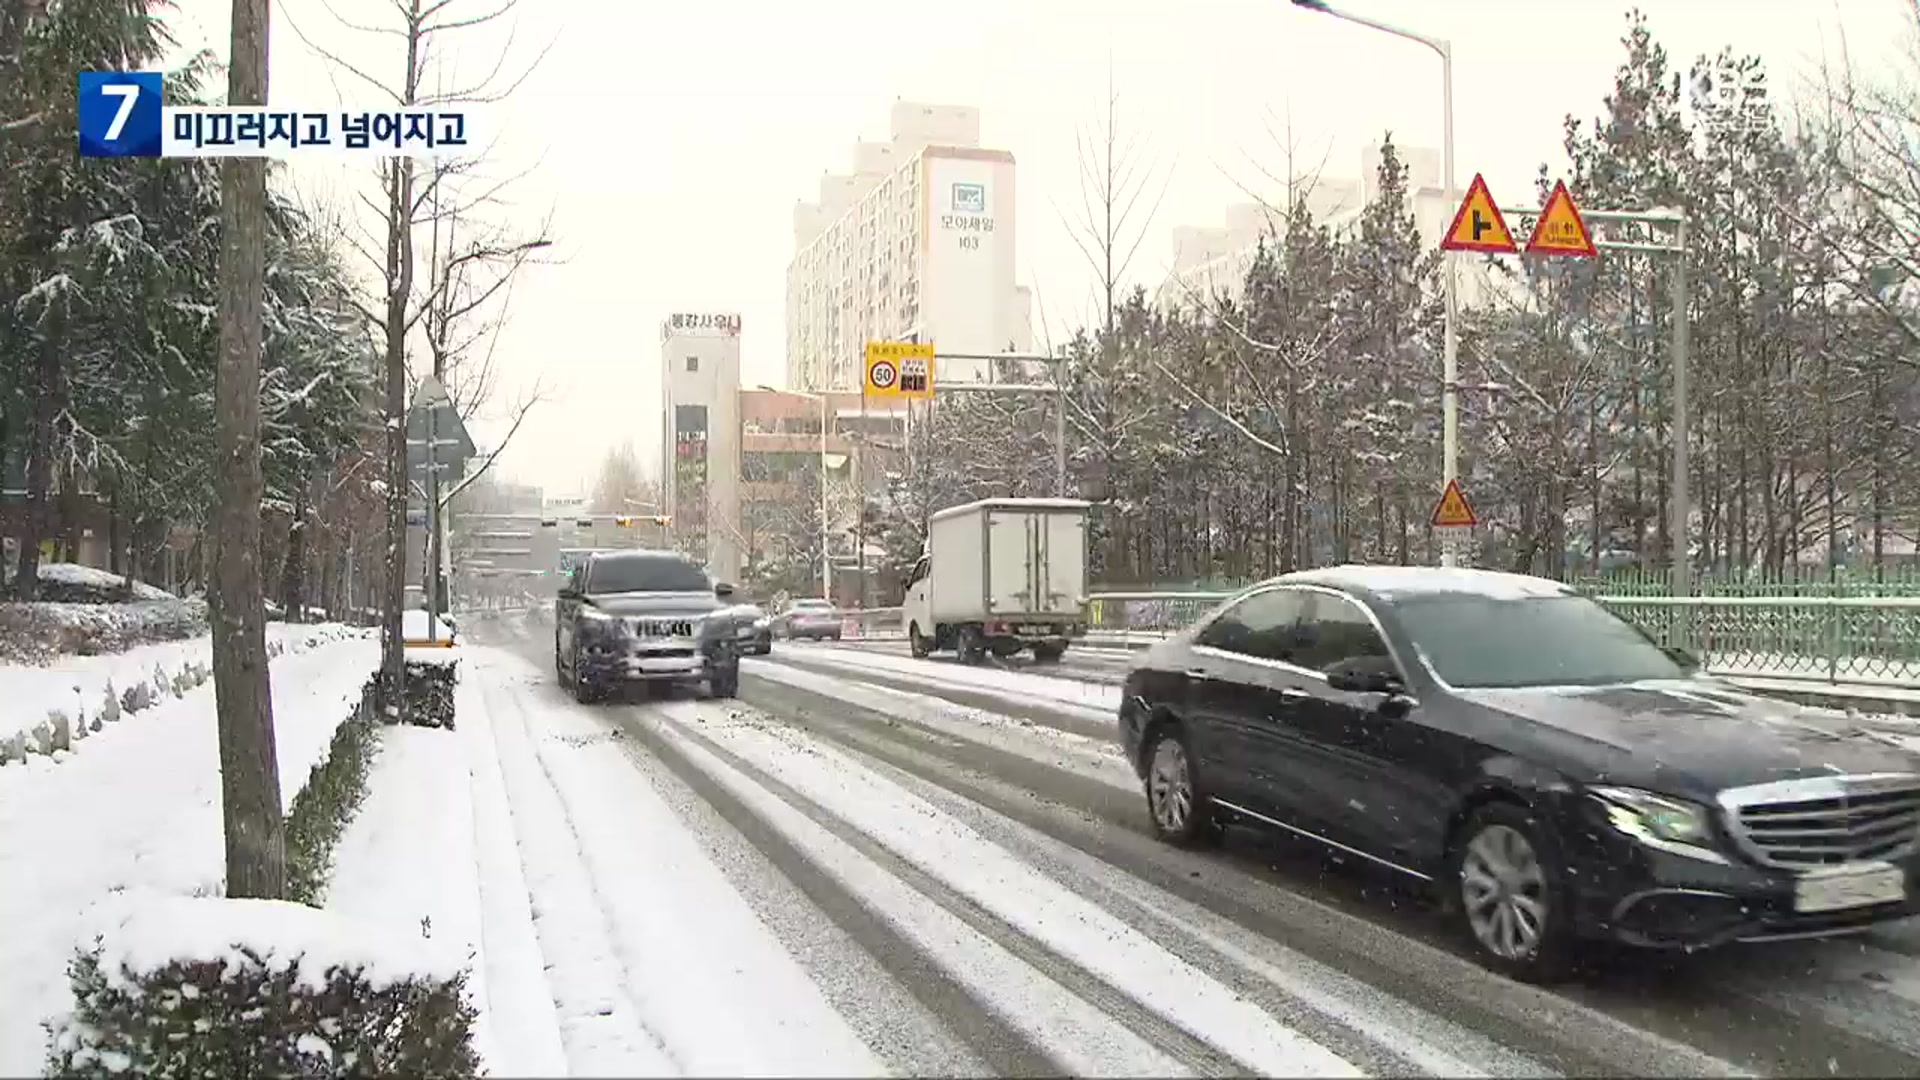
690 887
137 813
80 685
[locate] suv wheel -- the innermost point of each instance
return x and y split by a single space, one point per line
1178 805
1510 893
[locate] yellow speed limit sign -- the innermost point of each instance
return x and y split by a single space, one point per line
899 369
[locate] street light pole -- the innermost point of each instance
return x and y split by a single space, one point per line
1450 350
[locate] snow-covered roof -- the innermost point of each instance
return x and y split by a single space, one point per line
1392 581
1012 504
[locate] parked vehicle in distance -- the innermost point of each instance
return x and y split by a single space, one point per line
810 619
650 617
753 629
999 576
1555 773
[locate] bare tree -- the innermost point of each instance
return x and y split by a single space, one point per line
1117 171
249 772
408 204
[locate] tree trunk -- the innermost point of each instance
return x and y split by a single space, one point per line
249 775
47 394
293 572
399 282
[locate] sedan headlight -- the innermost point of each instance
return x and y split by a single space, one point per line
762 623
1661 821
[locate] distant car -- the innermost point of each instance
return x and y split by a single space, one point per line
753 629
810 619
651 617
1555 774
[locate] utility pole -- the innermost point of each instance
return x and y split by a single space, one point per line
256 856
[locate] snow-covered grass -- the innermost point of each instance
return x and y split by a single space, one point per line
138 812
108 687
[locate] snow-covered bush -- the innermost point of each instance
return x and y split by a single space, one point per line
431 675
327 803
188 987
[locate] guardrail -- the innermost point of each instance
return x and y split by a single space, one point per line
1859 640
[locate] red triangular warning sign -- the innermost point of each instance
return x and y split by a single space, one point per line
1478 226
1452 511
1560 230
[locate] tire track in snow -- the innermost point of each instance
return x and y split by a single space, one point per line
1060 930
1055 1031
599 1023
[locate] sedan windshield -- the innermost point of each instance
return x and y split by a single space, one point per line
645 575
1490 643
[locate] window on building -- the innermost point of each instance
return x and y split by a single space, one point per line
693 364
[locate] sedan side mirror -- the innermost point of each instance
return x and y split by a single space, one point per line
722 590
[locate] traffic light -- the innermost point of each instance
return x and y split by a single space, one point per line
585 523
549 523
623 522
663 520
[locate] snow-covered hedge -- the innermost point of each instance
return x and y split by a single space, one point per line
87 611
328 801
431 676
182 987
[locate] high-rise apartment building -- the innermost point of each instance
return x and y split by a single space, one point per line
916 243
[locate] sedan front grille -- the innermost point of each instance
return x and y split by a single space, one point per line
1824 821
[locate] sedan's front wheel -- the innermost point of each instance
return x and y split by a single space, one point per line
1182 813
1512 894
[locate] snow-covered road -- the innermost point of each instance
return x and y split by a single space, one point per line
870 864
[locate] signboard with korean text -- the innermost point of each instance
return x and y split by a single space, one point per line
702 324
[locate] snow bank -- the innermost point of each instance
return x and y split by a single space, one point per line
138 811
61 581
93 690
414 624
148 932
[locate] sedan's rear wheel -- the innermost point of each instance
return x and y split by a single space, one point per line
1181 811
1512 894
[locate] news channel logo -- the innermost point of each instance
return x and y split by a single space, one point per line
123 115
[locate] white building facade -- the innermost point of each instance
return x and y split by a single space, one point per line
1210 261
916 244
700 422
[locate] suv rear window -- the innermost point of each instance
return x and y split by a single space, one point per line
645 574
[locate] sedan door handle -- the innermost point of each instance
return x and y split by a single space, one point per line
1195 673
1294 693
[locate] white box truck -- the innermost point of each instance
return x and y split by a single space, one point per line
999 576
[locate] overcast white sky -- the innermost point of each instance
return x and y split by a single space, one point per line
672 139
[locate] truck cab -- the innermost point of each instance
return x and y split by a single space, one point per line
1000 576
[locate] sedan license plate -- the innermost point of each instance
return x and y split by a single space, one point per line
1859 886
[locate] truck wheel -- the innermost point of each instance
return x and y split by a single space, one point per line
972 648
917 643
1048 654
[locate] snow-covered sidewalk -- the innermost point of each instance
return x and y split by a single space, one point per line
139 810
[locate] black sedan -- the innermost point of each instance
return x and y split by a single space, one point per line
1555 773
